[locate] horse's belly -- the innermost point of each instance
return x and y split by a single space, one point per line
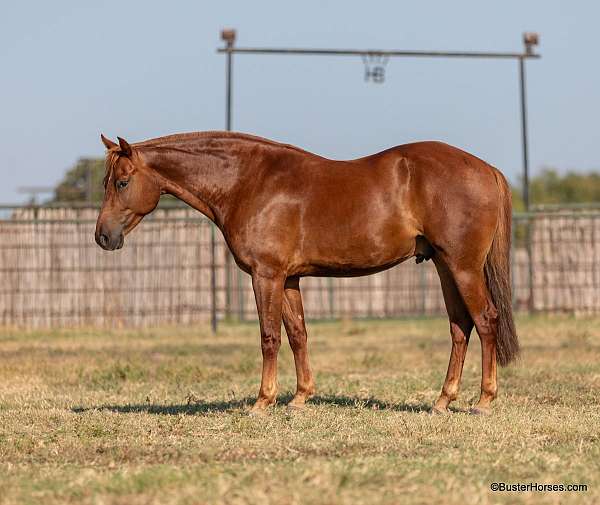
358 257
348 270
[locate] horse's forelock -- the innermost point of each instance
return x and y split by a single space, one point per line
111 162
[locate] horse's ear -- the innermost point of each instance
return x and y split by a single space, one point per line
109 144
125 147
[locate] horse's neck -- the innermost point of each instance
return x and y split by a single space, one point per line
203 179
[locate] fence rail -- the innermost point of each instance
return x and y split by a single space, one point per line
53 274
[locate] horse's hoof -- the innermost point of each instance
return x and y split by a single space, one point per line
257 412
436 411
296 407
260 410
480 411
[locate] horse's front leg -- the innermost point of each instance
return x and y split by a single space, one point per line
268 291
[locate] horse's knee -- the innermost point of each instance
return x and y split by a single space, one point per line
270 342
295 342
297 339
296 333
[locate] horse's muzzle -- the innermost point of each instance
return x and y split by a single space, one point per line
108 242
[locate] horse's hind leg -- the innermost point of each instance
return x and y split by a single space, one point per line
461 325
472 286
293 319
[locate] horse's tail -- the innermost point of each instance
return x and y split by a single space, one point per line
497 274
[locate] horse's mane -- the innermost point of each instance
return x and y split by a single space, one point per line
183 140
194 142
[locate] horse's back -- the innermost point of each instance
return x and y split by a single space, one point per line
332 217
387 200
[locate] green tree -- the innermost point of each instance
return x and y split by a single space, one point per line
82 183
550 187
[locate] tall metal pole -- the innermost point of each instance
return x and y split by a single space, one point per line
524 134
530 302
228 36
530 40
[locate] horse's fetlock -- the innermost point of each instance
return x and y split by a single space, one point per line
450 392
490 391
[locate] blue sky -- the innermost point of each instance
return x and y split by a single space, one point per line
73 69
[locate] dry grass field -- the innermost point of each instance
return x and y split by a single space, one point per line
160 417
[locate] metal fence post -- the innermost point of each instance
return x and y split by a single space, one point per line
213 280
513 262
423 289
228 288
228 36
524 146
240 286
330 293
531 302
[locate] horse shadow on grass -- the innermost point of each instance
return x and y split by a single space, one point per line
197 407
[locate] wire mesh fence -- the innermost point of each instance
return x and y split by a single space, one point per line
556 261
52 274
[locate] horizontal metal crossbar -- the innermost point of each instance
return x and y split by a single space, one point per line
381 52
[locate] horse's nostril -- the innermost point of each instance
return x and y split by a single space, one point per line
103 240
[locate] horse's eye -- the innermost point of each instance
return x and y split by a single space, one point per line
122 184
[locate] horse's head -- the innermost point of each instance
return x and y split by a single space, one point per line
131 190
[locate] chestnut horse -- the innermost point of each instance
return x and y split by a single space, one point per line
286 213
